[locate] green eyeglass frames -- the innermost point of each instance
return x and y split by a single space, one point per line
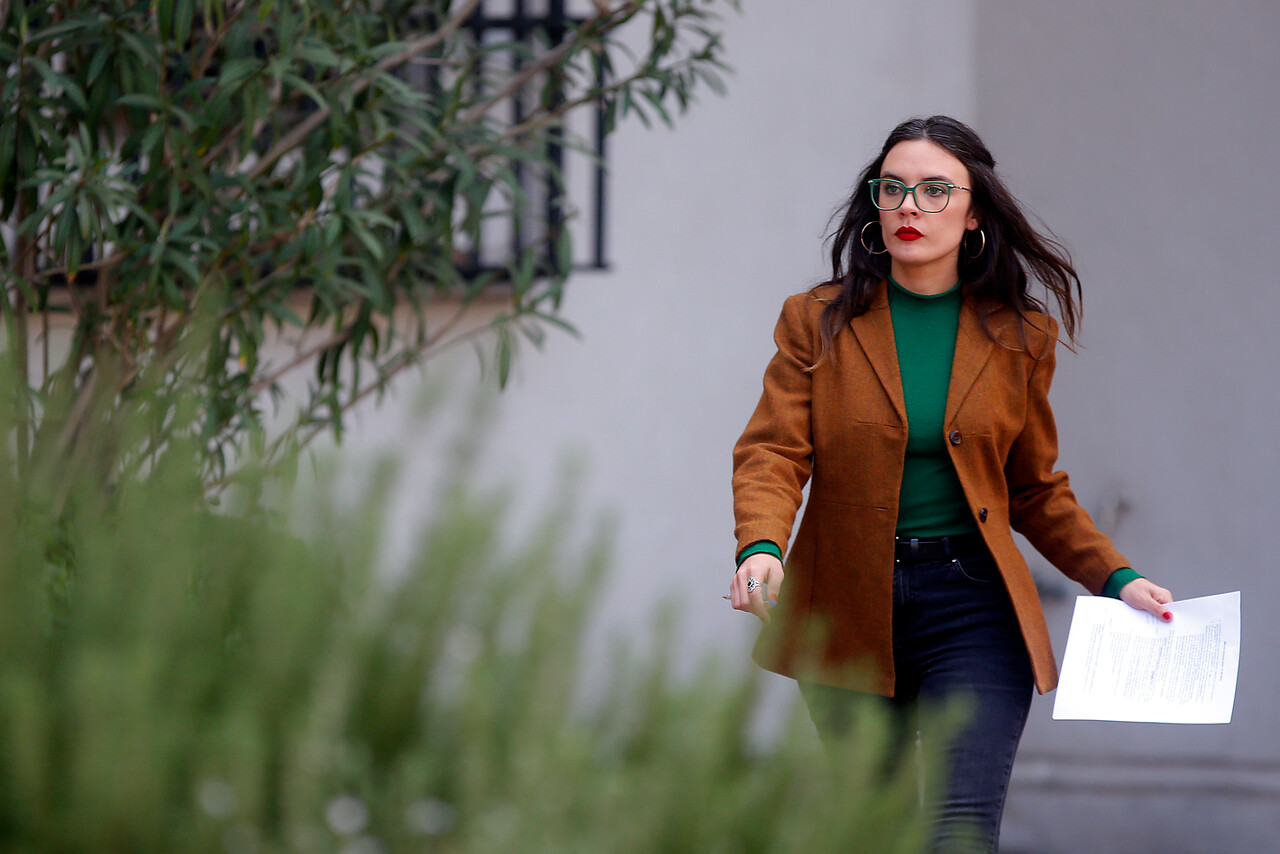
888 194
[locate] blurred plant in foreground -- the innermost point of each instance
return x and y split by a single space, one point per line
174 680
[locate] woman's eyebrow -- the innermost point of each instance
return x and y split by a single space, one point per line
943 178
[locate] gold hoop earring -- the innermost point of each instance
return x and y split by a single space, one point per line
981 248
862 238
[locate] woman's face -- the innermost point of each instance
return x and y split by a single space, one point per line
922 243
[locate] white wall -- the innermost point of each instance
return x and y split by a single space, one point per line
1144 134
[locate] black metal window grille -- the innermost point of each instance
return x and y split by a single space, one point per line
570 195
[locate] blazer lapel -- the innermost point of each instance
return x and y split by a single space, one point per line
874 331
973 348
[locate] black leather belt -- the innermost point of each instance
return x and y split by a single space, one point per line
917 549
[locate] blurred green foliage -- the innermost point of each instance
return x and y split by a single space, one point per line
175 680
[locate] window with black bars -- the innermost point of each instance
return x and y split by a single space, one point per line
571 193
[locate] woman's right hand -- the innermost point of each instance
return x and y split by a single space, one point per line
1142 595
764 568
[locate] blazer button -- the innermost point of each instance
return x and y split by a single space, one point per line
954 438
982 515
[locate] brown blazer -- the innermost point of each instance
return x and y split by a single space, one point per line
843 429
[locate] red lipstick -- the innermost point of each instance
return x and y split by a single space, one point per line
907 233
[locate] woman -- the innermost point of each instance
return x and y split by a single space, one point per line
911 391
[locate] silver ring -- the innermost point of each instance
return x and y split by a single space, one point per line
752 584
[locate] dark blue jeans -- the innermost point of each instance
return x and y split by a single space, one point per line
955 636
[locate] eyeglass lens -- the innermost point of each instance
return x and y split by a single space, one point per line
930 196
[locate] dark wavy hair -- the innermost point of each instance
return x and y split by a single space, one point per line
997 277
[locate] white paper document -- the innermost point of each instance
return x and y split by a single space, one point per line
1125 665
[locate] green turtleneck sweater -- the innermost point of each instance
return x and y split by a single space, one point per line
931 502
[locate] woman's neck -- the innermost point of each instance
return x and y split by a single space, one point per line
928 280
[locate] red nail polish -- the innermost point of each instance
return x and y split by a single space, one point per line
1168 615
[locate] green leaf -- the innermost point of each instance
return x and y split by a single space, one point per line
85 217
62 232
74 252
100 58
557 321
316 52
184 14
236 72
296 82
150 139
143 49
503 354
70 25
169 288
189 122
283 314
163 10
142 100
332 230
8 139
183 263
564 250
60 82
415 224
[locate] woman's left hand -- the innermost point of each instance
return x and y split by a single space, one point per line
1145 596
